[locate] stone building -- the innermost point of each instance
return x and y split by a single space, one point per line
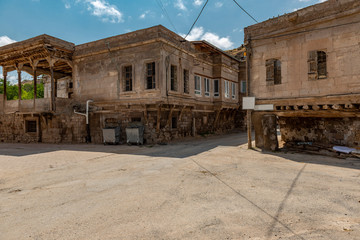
174 87
306 63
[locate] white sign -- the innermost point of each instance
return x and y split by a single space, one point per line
248 103
264 107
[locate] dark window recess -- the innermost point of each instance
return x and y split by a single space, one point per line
186 81
30 126
174 122
273 71
173 78
317 65
127 78
216 88
135 119
70 84
150 75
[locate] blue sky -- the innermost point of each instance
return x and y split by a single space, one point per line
81 21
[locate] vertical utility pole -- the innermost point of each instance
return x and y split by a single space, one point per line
248 112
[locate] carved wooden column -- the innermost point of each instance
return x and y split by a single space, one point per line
19 84
4 94
5 82
51 62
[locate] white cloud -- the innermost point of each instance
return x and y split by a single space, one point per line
198 33
143 16
107 12
5 40
219 4
67 5
198 2
180 5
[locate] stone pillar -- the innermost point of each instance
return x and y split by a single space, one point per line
270 132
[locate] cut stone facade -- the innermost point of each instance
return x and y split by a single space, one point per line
317 52
174 88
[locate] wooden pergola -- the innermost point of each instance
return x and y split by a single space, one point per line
43 54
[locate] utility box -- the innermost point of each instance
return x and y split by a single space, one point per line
111 135
135 134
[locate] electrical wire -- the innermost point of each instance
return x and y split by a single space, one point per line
192 26
245 11
162 7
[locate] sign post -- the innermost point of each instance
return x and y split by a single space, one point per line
248 105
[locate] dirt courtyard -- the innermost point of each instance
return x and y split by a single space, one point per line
210 188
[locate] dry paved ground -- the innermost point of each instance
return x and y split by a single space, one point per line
206 189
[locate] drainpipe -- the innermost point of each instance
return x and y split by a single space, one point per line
88 137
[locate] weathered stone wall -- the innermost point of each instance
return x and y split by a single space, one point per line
338 36
337 131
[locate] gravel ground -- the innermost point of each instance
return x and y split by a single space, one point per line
209 188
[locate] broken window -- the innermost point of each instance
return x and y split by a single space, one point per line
216 88
150 75
233 90
127 71
273 71
207 87
227 89
186 81
30 126
317 65
173 78
197 80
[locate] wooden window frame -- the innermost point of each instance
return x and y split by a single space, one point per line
317 65
197 79
173 78
217 93
128 81
150 75
186 76
206 87
273 71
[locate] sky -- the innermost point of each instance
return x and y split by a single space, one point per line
80 21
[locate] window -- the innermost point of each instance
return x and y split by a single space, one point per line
317 65
173 78
150 75
233 90
243 87
30 126
216 88
227 89
174 122
207 87
127 71
273 71
197 81
186 81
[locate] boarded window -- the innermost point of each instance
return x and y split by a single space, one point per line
30 126
150 75
273 71
173 78
186 81
317 65
197 81
207 87
127 71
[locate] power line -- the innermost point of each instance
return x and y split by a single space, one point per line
197 19
162 7
245 11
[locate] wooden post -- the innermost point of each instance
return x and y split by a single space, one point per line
52 88
158 119
19 85
248 112
5 82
